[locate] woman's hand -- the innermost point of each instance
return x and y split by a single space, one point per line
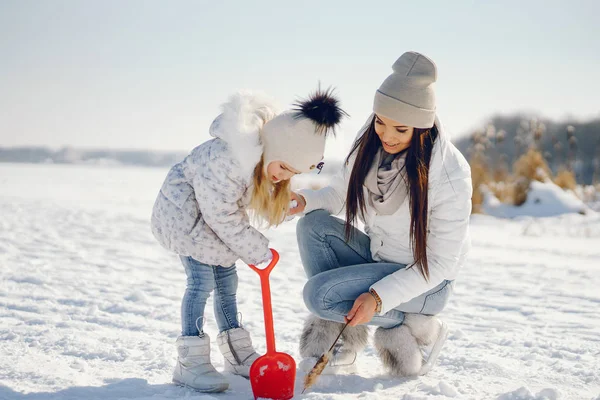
301 204
362 311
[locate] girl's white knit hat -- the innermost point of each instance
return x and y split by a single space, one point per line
297 137
408 94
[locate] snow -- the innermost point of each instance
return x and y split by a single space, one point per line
544 199
441 388
590 195
282 366
525 394
89 303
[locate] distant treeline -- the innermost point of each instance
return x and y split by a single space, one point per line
565 145
570 145
68 155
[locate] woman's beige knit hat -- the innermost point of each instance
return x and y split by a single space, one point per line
408 95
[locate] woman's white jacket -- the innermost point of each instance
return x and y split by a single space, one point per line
448 240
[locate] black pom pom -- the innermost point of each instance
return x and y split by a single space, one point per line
322 107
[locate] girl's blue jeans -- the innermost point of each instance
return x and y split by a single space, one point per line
202 279
339 271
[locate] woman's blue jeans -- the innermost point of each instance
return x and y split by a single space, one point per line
339 271
202 279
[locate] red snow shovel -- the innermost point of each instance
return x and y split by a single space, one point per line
273 375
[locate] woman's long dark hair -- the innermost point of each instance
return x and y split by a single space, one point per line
418 157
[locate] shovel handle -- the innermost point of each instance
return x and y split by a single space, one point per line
266 297
266 271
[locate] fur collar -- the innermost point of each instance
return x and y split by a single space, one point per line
240 123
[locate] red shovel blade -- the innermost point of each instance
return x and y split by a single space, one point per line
273 376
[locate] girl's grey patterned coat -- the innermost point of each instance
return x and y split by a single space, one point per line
201 208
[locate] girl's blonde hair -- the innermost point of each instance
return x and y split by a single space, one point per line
270 201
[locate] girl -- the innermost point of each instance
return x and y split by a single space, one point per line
201 213
412 189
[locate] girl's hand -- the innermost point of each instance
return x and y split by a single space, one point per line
362 311
301 204
264 264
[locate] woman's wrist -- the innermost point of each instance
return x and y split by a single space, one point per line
378 301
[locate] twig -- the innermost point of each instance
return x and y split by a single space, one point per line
321 363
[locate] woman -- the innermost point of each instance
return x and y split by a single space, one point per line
412 190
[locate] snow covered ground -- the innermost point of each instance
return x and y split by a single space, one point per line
544 199
89 303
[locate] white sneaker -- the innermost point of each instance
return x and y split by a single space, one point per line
194 368
238 353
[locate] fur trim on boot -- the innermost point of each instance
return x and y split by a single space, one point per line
318 336
398 350
424 328
412 348
431 333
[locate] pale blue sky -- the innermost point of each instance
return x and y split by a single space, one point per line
151 74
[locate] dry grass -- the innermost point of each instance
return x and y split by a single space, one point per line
508 189
480 175
501 174
532 166
566 180
520 189
503 190
513 191
495 174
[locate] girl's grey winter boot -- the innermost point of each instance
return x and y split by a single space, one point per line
236 347
194 368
